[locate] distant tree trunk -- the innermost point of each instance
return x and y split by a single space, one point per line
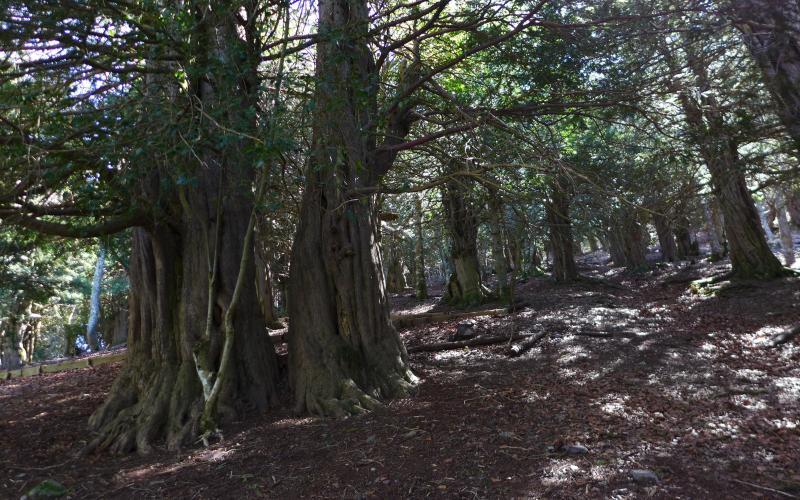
94 300
420 279
787 243
714 230
120 327
751 257
666 240
496 229
592 243
465 285
686 246
344 354
264 276
627 241
762 209
558 220
395 269
535 260
771 30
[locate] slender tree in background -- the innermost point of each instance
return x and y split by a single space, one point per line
420 278
94 299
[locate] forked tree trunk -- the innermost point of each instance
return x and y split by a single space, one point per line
558 220
666 239
465 286
344 354
420 280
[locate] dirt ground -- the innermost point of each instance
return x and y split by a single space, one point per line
681 386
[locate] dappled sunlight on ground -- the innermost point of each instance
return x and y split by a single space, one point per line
640 389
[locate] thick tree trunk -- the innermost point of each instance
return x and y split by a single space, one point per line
344 354
465 286
158 396
771 30
558 220
666 240
420 279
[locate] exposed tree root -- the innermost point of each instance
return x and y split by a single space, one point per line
349 399
164 406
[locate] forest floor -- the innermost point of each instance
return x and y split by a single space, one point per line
683 388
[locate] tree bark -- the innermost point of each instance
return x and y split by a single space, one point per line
344 354
558 220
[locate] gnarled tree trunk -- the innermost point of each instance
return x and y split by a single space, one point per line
344 354
158 396
192 340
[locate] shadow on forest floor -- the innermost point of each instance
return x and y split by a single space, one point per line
682 387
